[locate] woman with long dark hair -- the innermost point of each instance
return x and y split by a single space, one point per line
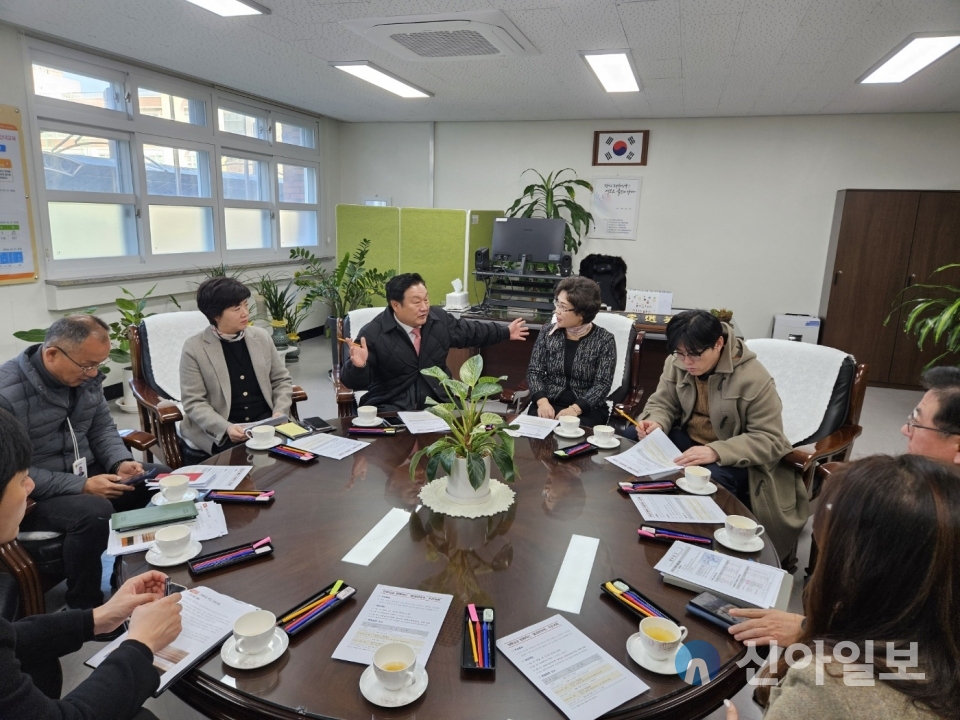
887 578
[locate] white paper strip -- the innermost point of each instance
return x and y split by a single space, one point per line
373 543
574 574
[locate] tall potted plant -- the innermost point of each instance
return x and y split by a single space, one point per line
476 437
933 315
295 317
556 198
350 286
278 302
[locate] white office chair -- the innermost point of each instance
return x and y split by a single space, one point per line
352 324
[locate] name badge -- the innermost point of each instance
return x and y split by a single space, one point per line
80 467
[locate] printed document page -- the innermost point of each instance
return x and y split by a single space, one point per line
575 673
395 614
752 582
207 618
423 422
331 446
678 508
211 477
532 426
654 454
208 524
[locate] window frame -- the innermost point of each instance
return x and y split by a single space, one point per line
138 129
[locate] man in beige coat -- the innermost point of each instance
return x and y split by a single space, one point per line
715 398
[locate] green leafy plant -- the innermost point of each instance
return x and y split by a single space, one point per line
474 434
351 285
279 302
934 315
132 313
223 270
295 317
556 198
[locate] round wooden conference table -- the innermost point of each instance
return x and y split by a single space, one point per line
509 561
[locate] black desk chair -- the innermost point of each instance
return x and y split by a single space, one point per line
610 273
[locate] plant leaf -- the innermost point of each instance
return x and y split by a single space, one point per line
505 463
489 418
485 390
432 464
447 456
36 335
434 372
476 470
471 369
415 461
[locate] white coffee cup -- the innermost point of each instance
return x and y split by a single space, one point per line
697 477
394 664
660 637
741 530
174 487
603 433
367 413
261 435
172 540
252 631
569 424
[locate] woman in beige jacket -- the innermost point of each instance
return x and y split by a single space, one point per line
881 638
231 373
721 409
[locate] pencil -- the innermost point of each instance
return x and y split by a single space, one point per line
348 341
473 643
621 413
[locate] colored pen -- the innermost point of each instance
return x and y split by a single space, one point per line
627 590
288 450
620 595
647 487
576 449
254 549
306 608
473 643
244 492
486 652
659 534
339 598
487 620
371 431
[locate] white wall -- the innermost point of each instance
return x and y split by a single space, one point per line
391 160
734 212
23 307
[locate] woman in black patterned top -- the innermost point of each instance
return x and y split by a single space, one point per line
571 368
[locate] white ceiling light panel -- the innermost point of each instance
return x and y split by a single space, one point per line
614 69
232 8
381 78
911 57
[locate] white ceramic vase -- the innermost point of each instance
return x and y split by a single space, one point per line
459 488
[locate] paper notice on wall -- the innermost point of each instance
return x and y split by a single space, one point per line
16 245
616 205
658 302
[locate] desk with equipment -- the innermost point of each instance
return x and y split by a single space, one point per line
322 518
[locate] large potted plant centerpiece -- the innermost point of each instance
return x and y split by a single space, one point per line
475 436
350 286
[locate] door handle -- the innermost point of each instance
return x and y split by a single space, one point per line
836 276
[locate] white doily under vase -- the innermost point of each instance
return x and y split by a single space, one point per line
434 496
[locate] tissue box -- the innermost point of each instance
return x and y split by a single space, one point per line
457 301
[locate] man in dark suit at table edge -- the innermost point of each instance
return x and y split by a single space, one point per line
407 337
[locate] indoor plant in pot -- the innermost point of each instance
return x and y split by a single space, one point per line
350 286
476 437
278 303
555 198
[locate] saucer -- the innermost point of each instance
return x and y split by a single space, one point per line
579 433
376 693
637 653
755 545
682 484
190 495
364 423
608 445
157 560
250 661
273 443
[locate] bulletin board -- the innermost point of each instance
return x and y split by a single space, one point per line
18 249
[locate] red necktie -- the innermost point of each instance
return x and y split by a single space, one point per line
416 339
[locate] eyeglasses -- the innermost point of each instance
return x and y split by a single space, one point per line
83 368
695 357
912 424
561 308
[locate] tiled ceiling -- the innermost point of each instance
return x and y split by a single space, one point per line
696 58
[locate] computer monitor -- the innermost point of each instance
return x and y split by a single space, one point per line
540 239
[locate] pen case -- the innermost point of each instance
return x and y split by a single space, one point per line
260 552
354 430
322 614
285 451
627 606
466 649
663 486
701 540
239 499
575 451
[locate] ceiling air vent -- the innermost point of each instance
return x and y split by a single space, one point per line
447 36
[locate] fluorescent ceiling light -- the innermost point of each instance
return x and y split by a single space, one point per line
381 78
914 55
232 8
614 70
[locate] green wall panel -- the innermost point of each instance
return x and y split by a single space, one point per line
481 235
432 244
380 225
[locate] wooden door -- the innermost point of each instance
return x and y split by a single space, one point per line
873 253
936 242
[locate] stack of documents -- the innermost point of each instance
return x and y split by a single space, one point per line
532 426
209 523
210 477
742 582
653 455
330 446
422 422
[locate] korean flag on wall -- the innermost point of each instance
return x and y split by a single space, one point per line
621 147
